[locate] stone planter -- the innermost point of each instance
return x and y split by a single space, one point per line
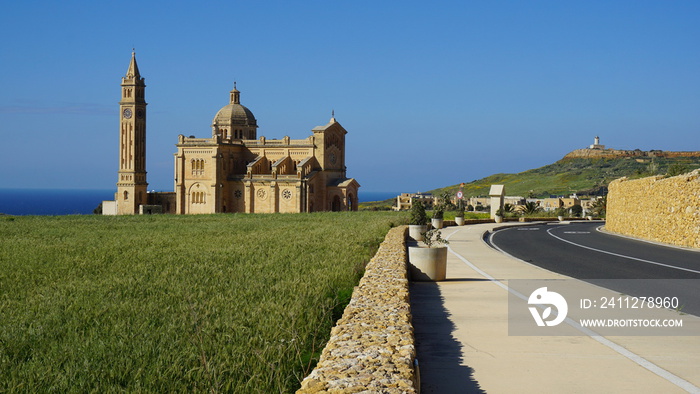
459 221
415 231
560 218
436 223
427 264
498 218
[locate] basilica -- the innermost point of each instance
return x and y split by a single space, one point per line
234 170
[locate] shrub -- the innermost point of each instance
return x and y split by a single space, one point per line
418 215
677 169
460 209
531 208
438 212
434 237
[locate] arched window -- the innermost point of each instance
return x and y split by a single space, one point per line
126 195
199 198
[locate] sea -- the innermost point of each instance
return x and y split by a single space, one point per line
84 201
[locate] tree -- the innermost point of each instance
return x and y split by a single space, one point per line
576 211
446 201
599 207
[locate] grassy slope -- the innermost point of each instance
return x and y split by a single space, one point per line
561 178
174 303
569 176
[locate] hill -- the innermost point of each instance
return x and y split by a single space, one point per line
582 171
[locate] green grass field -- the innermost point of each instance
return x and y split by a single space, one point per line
236 303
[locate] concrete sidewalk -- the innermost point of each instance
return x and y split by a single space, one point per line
461 329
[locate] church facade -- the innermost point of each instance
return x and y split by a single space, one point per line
234 170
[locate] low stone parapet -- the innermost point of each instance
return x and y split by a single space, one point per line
372 348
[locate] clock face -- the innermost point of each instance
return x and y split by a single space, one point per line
127 113
140 114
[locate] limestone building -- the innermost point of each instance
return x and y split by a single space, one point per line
234 170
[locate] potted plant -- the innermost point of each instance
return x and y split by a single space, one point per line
459 217
438 214
418 222
429 262
498 218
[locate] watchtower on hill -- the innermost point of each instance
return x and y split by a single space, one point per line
596 144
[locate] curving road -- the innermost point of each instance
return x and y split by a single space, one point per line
580 250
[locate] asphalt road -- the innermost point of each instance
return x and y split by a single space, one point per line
581 251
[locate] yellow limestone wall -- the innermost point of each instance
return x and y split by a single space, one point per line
656 208
371 348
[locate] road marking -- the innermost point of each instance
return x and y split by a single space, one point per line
577 232
529 229
637 359
621 255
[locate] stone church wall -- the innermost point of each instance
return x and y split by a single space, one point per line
658 209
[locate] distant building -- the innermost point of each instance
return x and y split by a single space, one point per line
405 201
479 203
596 144
569 202
552 204
233 170
514 200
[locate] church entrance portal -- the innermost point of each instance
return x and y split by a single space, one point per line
335 206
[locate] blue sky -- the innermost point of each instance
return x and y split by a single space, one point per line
432 94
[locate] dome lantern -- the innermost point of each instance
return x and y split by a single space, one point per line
235 121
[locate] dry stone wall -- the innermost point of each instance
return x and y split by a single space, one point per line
372 348
656 208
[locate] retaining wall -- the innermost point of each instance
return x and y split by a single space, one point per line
372 348
656 208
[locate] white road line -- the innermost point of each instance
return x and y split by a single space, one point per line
637 359
621 255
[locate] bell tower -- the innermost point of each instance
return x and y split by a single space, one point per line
132 186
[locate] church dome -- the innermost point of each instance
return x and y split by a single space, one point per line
234 114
